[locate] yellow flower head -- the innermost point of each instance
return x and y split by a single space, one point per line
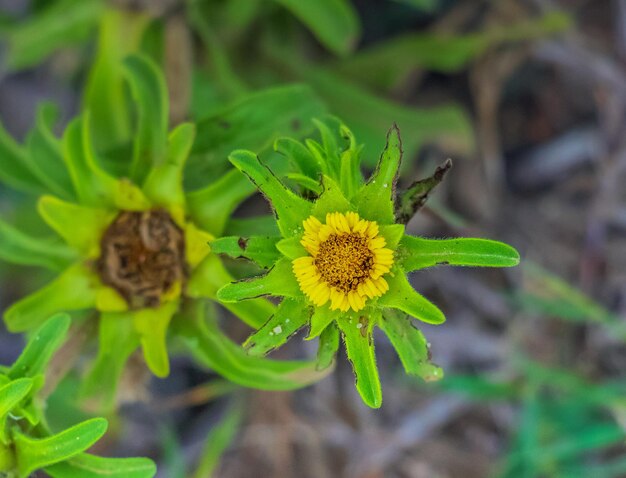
347 261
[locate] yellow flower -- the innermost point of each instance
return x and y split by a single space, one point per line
347 261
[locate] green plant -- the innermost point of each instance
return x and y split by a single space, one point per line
26 442
341 259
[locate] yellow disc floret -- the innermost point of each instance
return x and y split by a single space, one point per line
347 261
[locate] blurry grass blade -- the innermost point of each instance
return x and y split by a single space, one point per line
419 253
333 22
259 249
290 209
150 93
80 227
19 248
61 23
290 316
40 348
279 281
328 346
411 346
212 349
212 206
424 5
218 440
33 454
375 200
402 296
409 202
360 350
85 465
72 290
105 94
164 185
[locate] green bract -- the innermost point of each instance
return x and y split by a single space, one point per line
115 227
342 189
26 443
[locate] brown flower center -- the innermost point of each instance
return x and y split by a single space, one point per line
143 255
344 261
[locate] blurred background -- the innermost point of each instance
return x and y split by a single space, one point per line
528 98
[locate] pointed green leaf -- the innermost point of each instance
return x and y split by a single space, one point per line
164 185
393 234
211 207
259 249
218 440
376 199
305 183
33 454
332 199
291 248
81 227
299 156
402 296
117 340
411 346
59 24
289 208
321 318
290 316
334 23
151 325
418 253
213 349
72 290
40 348
44 150
279 281
359 342
16 167
150 93
19 248
328 346
13 393
85 465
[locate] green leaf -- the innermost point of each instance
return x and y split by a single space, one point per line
328 346
212 349
291 247
279 281
151 325
359 342
332 199
393 234
80 227
321 318
164 184
261 250
402 296
11 394
218 440
85 465
375 201
62 23
150 93
19 248
44 150
106 93
289 208
333 22
40 348
411 346
305 182
72 290
117 339
262 225
290 316
418 253
211 207
33 454
16 167
299 156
